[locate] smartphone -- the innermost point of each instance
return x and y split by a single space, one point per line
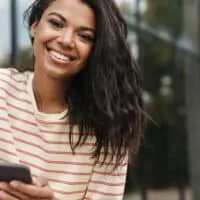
17 172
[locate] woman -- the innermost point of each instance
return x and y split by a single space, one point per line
75 120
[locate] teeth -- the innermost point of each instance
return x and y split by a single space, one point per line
60 56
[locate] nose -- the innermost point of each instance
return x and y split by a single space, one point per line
66 39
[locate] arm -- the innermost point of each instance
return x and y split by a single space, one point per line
107 184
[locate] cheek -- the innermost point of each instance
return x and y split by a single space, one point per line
36 48
40 42
86 51
43 34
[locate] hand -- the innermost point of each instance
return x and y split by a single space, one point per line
17 190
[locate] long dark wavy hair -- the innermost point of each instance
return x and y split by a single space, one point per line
106 96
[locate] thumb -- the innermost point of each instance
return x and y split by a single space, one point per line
40 181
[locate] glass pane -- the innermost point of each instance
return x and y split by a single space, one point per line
23 30
5 29
164 14
162 169
129 7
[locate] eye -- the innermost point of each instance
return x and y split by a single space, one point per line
55 23
86 37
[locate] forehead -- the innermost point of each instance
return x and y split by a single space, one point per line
75 12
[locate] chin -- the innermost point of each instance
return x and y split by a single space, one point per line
62 74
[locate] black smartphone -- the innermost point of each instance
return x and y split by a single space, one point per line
12 171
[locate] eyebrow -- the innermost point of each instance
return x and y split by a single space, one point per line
65 20
58 15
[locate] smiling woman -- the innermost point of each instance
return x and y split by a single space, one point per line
78 116
63 41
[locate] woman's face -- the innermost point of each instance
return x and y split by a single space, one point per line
63 38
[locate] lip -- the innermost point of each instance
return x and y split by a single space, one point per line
71 56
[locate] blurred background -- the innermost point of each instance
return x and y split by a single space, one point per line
164 37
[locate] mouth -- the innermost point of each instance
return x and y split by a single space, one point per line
62 58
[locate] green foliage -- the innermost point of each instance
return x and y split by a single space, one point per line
25 60
165 14
126 9
162 161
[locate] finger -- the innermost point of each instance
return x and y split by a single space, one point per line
5 187
40 181
6 196
32 190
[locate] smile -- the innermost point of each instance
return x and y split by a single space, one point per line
59 56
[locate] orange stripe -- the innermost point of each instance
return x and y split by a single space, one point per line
28 133
56 162
22 120
3 119
5 130
15 97
109 173
8 152
105 193
55 152
107 183
6 141
69 193
20 109
13 86
65 182
47 170
9 76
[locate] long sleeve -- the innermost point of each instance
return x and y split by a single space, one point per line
107 184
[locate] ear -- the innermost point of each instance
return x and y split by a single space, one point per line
33 29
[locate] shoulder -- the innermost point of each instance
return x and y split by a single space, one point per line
13 82
13 76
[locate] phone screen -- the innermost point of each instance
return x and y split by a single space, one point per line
12 171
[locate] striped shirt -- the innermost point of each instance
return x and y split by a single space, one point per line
41 142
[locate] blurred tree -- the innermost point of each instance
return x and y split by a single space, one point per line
162 161
164 14
25 60
126 8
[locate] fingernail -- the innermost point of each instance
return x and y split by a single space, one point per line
14 184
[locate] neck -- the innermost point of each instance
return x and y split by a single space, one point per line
49 94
